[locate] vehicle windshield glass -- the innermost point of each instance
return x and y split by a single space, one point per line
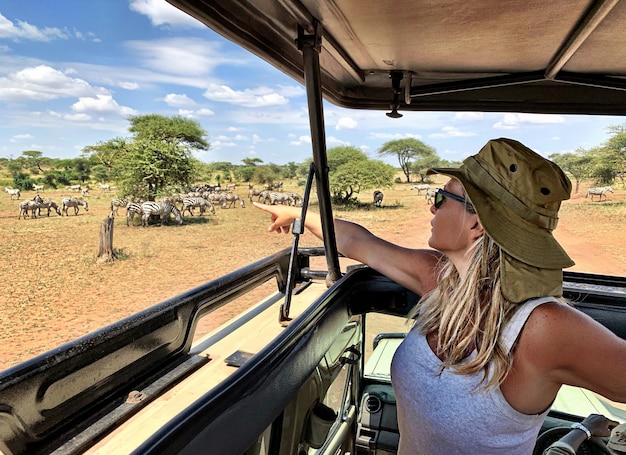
110 104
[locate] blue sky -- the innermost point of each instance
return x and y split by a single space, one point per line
72 71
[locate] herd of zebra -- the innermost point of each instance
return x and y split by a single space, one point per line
33 206
203 198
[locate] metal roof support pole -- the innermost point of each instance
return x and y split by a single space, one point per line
310 45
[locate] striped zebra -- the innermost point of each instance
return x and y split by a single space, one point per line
116 203
599 191
132 209
26 207
275 197
189 203
163 209
50 205
13 192
37 187
228 200
430 194
421 187
30 206
68 202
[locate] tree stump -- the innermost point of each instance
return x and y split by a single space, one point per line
105 252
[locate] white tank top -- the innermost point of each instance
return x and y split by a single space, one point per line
447 413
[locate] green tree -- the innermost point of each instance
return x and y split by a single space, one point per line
156 158
406 150
616 150
151 166
342 154
578 164
351 171
252 161
175 130
34 160
355 176
106 153
423 163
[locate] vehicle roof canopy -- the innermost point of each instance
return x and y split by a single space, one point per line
453 55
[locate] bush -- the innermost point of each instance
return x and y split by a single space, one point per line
22 181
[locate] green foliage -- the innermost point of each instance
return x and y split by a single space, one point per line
423 163
343 154
22 181
407 150
578 164
149 166
352 177
177 130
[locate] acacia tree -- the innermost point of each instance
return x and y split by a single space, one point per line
406 150
351 171
578 164
158 155
616 150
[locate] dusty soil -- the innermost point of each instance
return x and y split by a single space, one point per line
54 291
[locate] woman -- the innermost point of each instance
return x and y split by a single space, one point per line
492 341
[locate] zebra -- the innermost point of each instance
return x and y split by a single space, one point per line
37 187
159 208
189 203
430 194
228 200
30 206
296 199
421 187
27 206
13 192
252 192
104 187
117 203
48 204
132 209
599 191
74 187
68 202
378 198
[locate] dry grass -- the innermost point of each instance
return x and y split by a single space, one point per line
54 290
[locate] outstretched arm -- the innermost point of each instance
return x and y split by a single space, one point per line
415 269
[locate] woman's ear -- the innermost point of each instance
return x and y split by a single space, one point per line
477 228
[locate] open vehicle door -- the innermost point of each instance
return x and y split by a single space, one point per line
290 375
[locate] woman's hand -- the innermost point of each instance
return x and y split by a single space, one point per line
599 425
282 216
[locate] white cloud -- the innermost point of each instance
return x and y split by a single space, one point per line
43 83
128 85
468 116
301 140
175 100
182 56
514 121
331 140
450 131
19 137
24 31
78 117
205 112
103 104
394 136
346 123
162 13
257 97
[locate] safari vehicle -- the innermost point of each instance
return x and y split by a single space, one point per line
302 371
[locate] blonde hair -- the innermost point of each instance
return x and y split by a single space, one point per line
469 313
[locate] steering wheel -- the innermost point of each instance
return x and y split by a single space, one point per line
554 434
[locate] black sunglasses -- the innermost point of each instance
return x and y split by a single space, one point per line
441 195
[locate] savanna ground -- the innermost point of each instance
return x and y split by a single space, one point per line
54 290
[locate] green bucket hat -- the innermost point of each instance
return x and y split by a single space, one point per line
517 195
